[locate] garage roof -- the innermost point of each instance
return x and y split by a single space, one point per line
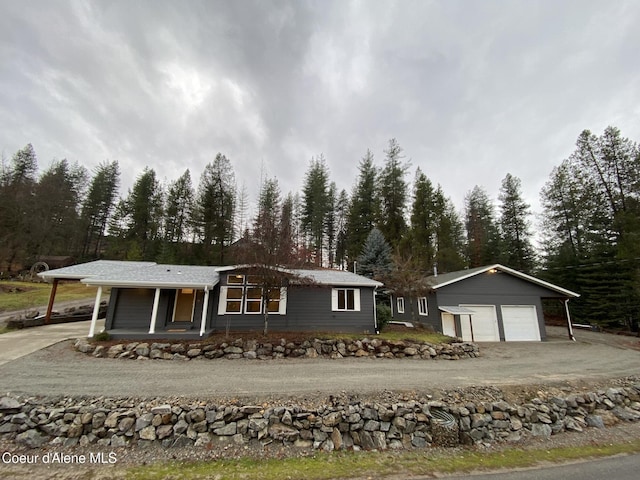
438 281
455 310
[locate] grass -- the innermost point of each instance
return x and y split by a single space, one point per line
415 334
346 465
6 330
17 296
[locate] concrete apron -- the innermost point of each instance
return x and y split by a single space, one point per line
28 340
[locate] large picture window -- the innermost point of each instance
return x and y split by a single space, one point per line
242 296
345 300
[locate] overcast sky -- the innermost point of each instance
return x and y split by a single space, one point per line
472 90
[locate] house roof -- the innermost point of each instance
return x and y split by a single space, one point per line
161 275
91 269
149 274
336 277
439 281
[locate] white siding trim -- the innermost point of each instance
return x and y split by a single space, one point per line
356 299
222 303
282 308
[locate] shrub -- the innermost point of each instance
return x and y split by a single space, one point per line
101 337
383 313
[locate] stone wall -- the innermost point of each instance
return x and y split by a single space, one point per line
338 424
252 349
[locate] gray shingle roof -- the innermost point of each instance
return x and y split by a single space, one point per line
149 274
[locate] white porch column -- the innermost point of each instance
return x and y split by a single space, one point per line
154 312
96 310
205 308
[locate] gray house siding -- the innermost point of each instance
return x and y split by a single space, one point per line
129 308
308 309
411 311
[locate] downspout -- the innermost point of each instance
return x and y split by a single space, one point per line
375 311
569 326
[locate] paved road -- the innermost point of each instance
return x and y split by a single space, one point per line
59 370
618 468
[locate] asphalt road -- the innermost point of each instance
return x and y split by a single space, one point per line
618 468
60 370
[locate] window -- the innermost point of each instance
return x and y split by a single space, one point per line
273 303
234 299
345 299
253 301
400 304
242 296
235 279
422 306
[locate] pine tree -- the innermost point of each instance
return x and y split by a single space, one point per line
177 219
98 206
342 217
266 224
375 259
424 223
316 206
514 222
364 208
483 236
215 207
393 194
144 210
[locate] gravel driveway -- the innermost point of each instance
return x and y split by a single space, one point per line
59 370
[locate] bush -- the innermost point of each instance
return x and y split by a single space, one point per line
383 313
101 337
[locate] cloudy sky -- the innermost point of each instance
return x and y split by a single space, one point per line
472 90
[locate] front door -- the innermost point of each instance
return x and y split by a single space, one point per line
184 305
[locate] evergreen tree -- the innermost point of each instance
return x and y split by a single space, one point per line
424 223
330 223
483 236
449 235
98 206
177 219
364 208
393 194
58 196
375 259
341 219
316 206
514 222
144 215
266 225
215 207
17 206
287 250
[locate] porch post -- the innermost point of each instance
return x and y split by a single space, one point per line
569 326
154 312
96 310
52 296
205 308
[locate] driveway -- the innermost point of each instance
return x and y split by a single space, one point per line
58 370
17 344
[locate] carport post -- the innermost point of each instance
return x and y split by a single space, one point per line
96 310
205 307
52 296
154 312
569 326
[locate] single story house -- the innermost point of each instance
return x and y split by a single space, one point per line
485 304
149 300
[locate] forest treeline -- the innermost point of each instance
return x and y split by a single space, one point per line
589 227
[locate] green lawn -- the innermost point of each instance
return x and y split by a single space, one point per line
26 295
413 334
345 465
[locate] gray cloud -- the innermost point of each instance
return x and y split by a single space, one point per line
471 90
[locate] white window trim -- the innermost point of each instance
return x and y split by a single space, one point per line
356 300
400 304
222 302
424 313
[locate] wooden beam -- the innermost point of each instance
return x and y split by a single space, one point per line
52 297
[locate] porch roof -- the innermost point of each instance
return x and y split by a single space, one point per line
158 276
92 269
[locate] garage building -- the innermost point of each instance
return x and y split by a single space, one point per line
485 304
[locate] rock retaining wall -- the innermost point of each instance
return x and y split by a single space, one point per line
340 424
251 349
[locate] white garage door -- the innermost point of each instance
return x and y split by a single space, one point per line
448 324
520 323
485 323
